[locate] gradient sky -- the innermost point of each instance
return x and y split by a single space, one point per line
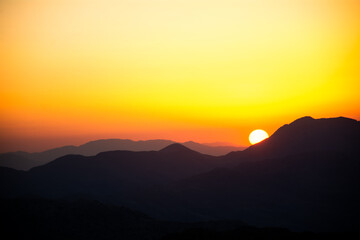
202 70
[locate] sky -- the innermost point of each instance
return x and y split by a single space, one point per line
72 71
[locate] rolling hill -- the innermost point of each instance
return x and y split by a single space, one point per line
304 177
25 161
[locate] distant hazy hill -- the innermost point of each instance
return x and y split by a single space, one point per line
25 161
304 177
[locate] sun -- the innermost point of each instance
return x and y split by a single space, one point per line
257 136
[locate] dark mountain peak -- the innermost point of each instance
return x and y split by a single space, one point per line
323 126
311 135
302 120
307 123
323 121
176 148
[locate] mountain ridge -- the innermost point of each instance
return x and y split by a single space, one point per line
24 161
177 148
306 134
271 183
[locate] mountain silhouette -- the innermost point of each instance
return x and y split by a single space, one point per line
123 177
306 135
170 163
307 168
303 177
25 161
178 148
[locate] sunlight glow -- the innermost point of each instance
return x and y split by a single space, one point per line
198 70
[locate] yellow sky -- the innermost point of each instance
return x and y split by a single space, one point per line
202 70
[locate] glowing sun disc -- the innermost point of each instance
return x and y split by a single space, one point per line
257 136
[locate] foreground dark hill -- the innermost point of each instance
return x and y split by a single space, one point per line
34 218
26 161
274 183
305 176
317 192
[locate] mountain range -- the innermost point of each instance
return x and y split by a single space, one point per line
304 178
24 161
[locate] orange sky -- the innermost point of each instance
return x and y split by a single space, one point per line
201 70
